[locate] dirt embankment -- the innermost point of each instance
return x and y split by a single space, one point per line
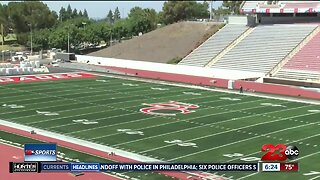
174 41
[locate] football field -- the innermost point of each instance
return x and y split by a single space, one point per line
169 123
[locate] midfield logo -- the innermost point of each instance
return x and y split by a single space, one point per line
285 152
168 106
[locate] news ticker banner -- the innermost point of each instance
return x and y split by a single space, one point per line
40 152
38 167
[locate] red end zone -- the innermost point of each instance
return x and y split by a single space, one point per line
44 77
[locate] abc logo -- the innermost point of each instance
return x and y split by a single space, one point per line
292 152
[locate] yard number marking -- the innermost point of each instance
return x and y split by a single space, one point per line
130 131
181 143
85 121
13 106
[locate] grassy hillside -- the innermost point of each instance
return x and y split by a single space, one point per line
162 45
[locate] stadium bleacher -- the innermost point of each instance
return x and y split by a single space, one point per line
214 45
305 64
301 5
298 75
264 48
251 4
308 58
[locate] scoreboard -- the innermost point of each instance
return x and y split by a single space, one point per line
279 167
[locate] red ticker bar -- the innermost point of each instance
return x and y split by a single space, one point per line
289 167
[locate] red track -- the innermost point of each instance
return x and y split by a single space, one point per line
13 154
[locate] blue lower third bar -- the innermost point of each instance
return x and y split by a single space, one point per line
85 167
55 167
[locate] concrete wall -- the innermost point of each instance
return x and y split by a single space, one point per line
238 20
281 20
193 75
169 68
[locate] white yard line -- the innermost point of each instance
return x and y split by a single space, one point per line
106 105
109 117
120 93
91 82
79 141
252 125
80 98
157 117
71 99
185 120
236 119
257 152
199 152
303 157
136 112
306 156
269 96
63 158
84 92
106 90
110 125
249 175
84 143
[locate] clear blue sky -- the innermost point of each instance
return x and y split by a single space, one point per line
99 9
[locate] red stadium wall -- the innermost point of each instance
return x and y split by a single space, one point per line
223 83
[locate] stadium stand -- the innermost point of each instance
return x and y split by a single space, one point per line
214 45
299 4
251 4
264 48
299 75
305 64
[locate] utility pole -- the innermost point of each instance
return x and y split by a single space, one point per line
31 39
68 39
110 37
210 10
2 42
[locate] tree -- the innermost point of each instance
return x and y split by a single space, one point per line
120 29
116 14
232 6
62 14
85 14
221 11
74 13
110 18
4 21
141 20
80 14
152 17
69 12
174 11
201 10
30 12
40 41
